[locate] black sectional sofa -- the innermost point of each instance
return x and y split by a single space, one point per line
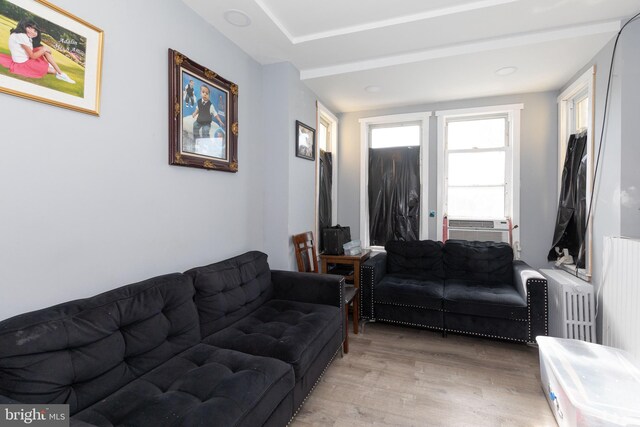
460 286
228 344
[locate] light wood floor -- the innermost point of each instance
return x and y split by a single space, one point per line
398 376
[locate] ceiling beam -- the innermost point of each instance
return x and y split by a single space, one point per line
510 41
398 20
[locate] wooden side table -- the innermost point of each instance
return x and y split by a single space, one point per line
352 260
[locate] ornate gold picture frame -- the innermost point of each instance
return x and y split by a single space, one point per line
203 116
49 55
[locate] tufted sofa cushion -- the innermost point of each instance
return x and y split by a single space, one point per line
483 262
421 259
495 299
82 351
410 292
229 290
239 390
294 332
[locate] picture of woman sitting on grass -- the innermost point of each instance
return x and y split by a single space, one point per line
28 57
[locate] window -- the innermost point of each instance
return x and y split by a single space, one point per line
575 110
394 143
324 134
477 153
581 111
478 165
326 171
575 114
394 183
395 135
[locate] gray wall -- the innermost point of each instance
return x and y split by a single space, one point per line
606 208
289 184
630 155
538 167
90 203
616 196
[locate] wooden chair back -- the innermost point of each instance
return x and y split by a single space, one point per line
306 252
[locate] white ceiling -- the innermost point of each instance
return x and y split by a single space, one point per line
422 51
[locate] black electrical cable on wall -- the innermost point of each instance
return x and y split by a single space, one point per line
604 121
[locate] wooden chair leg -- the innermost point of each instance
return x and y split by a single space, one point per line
345 344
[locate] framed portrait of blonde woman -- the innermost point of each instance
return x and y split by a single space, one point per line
49 55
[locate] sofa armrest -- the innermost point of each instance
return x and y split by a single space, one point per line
308 287
532 285
371 272
313 288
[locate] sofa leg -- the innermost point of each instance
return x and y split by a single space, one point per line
363 322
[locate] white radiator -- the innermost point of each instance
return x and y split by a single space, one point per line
621 294
571 306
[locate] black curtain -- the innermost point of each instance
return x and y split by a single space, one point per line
324 204
571 219
394 194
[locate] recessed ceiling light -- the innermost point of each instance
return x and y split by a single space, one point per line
505 71
237 17
372 89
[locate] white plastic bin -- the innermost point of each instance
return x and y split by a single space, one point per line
589 384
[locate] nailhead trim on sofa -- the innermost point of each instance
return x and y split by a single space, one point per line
313 388
529 339
436 328
340 304
409 305
507 318
372 317
484 335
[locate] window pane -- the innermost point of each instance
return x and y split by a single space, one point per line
322 137
484 168
476 202
582 109
468 134
397 136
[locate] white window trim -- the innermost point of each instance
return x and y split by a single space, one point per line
365 124
323 111
585 82
513 111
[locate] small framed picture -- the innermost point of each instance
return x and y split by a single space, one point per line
305 141
203 117
49 55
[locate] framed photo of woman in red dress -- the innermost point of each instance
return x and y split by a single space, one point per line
49 55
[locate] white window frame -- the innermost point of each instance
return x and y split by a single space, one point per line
585 84
512 171
323 113
365 125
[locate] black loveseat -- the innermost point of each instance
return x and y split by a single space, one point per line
228 344
460 286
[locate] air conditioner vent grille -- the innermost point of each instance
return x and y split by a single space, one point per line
465 223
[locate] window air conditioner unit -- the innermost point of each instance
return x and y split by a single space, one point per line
491 230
